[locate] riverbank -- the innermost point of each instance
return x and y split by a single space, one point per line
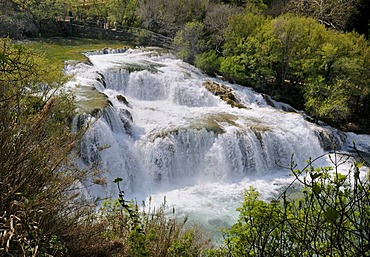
358 128
61 49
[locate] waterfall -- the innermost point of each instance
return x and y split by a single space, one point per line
165 133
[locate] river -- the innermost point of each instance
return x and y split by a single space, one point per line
155 124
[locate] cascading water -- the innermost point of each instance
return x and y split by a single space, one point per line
158 126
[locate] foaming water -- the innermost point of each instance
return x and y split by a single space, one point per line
164 133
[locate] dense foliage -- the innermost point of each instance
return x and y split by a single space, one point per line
14 23
37 199
298 60
324 212
167 17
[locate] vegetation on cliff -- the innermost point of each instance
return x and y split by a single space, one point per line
296 60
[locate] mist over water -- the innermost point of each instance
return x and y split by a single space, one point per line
165 134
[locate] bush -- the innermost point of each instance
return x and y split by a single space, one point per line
189 41
150 231
39 200
208 62
331 217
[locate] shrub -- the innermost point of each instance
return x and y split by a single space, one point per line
39 200
190 41
208 62
330 217
150 231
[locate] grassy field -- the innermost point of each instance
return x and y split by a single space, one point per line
63 49
59 50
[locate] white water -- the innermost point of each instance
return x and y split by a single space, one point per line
185 143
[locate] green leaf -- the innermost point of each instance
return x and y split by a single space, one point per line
359 165
315 175
340 179
331 214
316 189
3 57
117 180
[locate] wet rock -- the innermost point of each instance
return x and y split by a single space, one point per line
122 99
102 80
278 105
126 114
89 151
330 139
126 119
224 92
95 112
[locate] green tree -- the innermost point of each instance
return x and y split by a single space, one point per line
321 213
298 60
208 62
288 44
340 78
190 41
123 12
240 28
239 62
14 23
234 68
43 9
98 10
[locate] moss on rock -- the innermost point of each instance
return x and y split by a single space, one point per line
224 92
90 100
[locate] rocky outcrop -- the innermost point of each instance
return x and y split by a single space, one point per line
122 99
278 105
90 100
126 119
330 138
224 92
